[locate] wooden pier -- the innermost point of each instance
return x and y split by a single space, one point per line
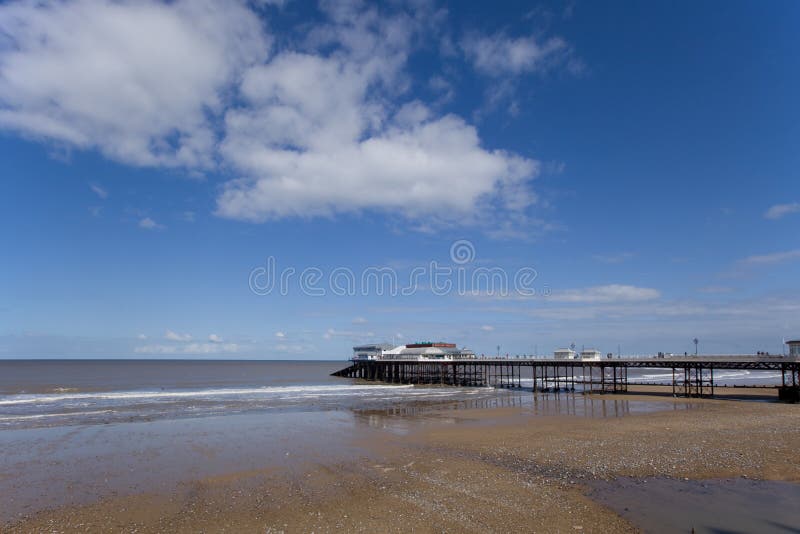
692 376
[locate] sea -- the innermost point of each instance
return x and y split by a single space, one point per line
39 393
42 393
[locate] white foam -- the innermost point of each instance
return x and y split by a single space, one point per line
48 415
273 391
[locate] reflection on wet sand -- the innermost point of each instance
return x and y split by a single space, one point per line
598 406
398 417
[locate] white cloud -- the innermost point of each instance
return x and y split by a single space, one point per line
149 224
607 293
182 344
499 54
280 335
771 259
141 336
136 80
359 320
432 167
99 191
487 328
317 135
173 336
323 127
189 348
779 210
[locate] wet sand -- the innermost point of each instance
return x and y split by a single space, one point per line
466 471
768 394
705 506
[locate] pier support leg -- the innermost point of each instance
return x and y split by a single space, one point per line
712 380
602 379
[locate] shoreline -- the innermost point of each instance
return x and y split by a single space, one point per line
457 468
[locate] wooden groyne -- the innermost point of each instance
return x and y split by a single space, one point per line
691 376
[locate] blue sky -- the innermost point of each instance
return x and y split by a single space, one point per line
638 160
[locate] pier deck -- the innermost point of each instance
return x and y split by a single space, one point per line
692 376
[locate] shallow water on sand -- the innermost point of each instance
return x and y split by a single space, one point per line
704 506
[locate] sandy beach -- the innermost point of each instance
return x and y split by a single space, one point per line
473 470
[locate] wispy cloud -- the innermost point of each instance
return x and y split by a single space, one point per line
443 88
500 54
188 348
149 224
610 293
505 59
680 318
183 344
487 328
331 333
607 293
779 210
174 336
99 191
295 349
771 259
715 289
